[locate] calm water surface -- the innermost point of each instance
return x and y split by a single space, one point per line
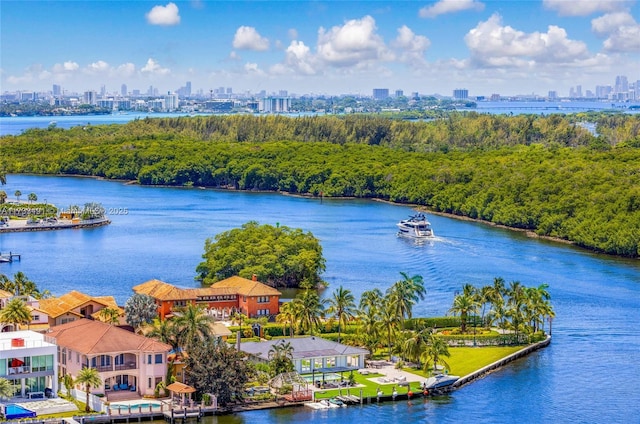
588 374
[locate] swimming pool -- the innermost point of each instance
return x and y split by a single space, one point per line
135 406
13 411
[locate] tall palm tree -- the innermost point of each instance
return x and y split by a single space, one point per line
18 193
416 344
281 357
436 349
15 312
88 378
342 306
164 331
3 196
404 294
33 197
389 320
462 305
370 326
370 299
287 316
516 305
310 310
193 325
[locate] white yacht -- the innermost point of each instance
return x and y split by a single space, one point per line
416 226
439 382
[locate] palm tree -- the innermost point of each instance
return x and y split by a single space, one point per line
370 299
404 294
388 320
287 316
89 378
3 196
15 312
164 331
18 193
193 325
6 389
32 197
310 310
436 349
342 305
109 315
416 344
516 305
281 357
462 305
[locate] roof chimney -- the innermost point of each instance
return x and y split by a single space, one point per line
254 277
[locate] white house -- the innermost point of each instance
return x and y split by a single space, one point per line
29 361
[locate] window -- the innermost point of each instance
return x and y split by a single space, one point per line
158 358
331 362
149 359
149 386
353 361
317 363
263 299
35 317
305 366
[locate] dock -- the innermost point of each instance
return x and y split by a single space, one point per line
9 257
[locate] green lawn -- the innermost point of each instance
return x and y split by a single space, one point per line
463 361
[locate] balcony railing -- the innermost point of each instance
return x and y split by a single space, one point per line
19 370
120 367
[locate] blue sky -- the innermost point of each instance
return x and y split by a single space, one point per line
320 47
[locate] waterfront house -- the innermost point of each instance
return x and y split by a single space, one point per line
130 365
312 355
39 319
73 306
235 294
28 360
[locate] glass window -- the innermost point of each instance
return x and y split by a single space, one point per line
158 358
331 362
305 366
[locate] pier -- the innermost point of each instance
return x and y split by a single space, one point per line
9 257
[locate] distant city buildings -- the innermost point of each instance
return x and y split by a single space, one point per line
380 93
460 94
275 104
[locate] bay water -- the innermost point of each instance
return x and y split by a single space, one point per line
588 374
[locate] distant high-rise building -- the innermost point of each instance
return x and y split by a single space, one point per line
187 89
578 91
283 93
399 93
103 90
495 97
622 85
90 98
171 102
229 90
123 90
275 104
57 91
415 95
603 91
553 95
380 93
460 94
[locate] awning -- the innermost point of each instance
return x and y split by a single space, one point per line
178 387
15 362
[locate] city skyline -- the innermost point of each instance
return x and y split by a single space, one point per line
320 47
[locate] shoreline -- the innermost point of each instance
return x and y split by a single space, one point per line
21 226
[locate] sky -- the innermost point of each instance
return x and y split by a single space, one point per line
319 47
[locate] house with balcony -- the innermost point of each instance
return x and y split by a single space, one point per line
235 294
130 365
28 360
73 306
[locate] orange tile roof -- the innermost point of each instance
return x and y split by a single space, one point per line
56 306
247 287
5 294
162 291
94 338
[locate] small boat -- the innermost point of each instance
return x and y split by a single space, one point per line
439 382
329 404
338 402
416 226
316 405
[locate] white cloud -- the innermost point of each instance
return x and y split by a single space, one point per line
67 66
164 15
493 44
126 69
450 6
253 69
299 58
353 44
412 46
585 7
621 29
247 38
153 68
98 67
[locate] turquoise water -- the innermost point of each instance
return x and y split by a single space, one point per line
134 406
587 375
13 411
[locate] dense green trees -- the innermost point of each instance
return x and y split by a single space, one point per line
278 255
544 174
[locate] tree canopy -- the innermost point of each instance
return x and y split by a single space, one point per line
544 174
278 255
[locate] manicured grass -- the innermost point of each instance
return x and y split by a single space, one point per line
463 361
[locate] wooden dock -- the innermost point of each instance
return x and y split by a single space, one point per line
9 257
